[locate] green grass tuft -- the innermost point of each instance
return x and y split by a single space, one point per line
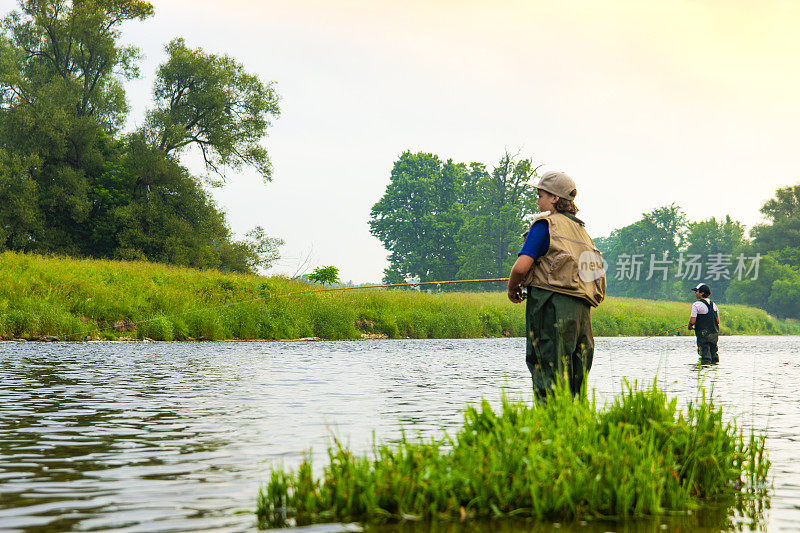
564 460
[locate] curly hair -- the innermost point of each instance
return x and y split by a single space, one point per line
567 206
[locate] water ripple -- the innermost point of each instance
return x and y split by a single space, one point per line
179 436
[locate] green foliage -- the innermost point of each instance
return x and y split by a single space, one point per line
71 299
328 275
777 288
666 230
171 219
262 249
783 228
565 459
209 101
112 189
444 220
71 184
660 231
712 237
418 218
68 54
496 207
20 221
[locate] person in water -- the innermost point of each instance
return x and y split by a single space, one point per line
563 274
704 320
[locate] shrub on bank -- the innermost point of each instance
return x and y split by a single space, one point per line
563 460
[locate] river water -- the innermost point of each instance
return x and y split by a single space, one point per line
179 436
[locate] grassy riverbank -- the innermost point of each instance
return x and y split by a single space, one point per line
568 459
75 299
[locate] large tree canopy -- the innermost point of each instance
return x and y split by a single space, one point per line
70 183
61 100
722 239
71 48
783 227
210 102
662 255
417 219
497 207
777 288
445 220
631 251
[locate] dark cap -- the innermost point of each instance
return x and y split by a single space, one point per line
703 288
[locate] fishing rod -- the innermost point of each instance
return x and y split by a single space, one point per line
291 293
390 285
335 289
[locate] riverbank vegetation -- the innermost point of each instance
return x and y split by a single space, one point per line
568 459
71 299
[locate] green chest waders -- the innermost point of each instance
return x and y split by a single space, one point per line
559 343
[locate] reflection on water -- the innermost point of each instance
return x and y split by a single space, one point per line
179 436
709 520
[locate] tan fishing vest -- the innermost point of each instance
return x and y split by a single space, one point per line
572 264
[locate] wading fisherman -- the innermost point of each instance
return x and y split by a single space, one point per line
704 320
564 277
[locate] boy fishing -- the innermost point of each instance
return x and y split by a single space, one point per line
704 320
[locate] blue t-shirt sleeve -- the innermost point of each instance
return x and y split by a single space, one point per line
538 240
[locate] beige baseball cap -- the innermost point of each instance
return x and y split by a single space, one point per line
557 183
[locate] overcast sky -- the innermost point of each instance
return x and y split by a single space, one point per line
642 103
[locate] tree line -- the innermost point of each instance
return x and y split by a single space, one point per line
443 220
73 183
761 269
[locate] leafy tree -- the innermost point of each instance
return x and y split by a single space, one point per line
69 183
263 249
783 229
210 102
629 250
108 191
784 298
418 218
777 288
19 216
444 220
71 48
712 238
496 207
171 219
325 275
61 74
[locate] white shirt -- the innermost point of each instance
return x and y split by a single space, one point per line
699 308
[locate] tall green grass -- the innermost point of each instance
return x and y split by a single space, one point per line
637 317
567 459
76 299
